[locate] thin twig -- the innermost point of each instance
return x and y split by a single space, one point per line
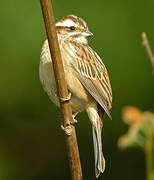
146 44
71 141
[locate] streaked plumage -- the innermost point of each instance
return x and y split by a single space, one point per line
86 77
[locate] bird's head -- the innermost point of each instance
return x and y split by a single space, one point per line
73 28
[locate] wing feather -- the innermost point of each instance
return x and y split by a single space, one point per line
92 73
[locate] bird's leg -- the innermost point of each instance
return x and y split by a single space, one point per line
73 117
68 129
66 99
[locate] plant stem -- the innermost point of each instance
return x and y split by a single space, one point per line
146 44
149 151
71 141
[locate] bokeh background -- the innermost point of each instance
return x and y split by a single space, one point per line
32 145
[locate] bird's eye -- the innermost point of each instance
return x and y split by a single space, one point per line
72 28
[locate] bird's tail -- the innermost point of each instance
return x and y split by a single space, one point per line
97 140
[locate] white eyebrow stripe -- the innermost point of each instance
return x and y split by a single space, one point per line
66 23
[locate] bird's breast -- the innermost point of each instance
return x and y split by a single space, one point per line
80 97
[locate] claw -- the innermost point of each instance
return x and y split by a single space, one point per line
66 99
73 117
67 129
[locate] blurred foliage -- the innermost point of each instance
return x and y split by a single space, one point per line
140 134
139 122
32 144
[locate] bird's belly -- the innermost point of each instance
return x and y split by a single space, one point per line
48 80
76 104
79 96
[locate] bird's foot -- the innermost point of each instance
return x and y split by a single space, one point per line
73 117
67 129
66 99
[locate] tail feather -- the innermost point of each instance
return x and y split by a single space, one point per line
99 158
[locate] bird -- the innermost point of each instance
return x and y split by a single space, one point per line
86 77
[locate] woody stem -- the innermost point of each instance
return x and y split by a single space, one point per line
71 141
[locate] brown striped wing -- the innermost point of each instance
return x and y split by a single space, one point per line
92 73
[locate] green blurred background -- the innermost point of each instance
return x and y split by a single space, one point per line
32 145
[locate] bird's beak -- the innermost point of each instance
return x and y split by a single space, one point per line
87 33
